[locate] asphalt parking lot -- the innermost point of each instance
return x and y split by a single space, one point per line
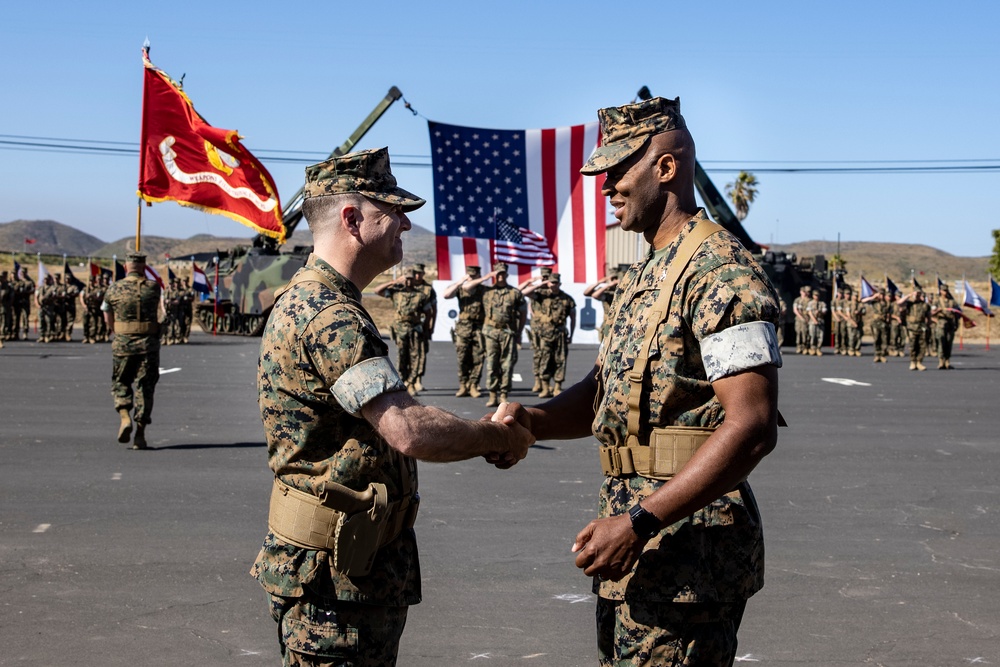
880 507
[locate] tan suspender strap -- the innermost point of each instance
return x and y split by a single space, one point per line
661 310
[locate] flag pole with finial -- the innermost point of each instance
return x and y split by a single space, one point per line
142 150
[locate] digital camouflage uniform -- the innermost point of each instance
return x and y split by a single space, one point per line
536 323
469 335
855 325
801 323
881 312
426 323
7 291
551 332
25 290
135 357
840 309
186 310
502 308
918 319
321 360
683 600
411 305
607 298
897 328
946 322
72 292
93 297
817 312
46 296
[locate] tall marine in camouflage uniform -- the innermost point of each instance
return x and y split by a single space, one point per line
428 324
468 330
533 325
339 562
411 306
551 310
132 308
684 406
505 313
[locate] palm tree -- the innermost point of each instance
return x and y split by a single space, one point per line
742 192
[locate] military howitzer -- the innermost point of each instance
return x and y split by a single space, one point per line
249 277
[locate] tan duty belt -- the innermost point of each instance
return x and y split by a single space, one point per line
136 327
668 451
310 522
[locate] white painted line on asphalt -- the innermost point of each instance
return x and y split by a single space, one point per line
42 527
164 371
571 481
746 658
516 377
115 476
533 655
847 382
572 598
475 656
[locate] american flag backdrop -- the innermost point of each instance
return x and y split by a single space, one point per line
491 186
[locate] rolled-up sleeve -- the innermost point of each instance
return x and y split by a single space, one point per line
739 348
365 381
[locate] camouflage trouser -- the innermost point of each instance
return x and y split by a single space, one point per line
92 318
918 344
667 634
176 330
880 338
815 336
552 355
6 322
946 336
47 322
534 337
501 355
840 336
801 334
469 350
854 338
144 371
896 337
22 314
420 361
407 338
70 321
321 631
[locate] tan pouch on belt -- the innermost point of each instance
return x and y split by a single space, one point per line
358 536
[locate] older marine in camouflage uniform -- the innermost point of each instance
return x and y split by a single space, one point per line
343 435
132 308
468 330
411 306
678 547
553 308
505 313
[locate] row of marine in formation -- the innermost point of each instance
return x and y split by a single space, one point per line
61 302
926 324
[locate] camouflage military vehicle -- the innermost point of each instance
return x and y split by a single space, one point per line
249 277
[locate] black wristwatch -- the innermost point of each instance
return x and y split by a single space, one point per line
645 524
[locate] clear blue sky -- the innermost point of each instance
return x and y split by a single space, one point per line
767 81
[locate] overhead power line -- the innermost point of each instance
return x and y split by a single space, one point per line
286 156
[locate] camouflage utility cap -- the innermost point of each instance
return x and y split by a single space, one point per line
409 273
419 268
500 267
624 130
555 278
135 257
365 172
472 271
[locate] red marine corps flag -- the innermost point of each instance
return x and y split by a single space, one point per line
184 159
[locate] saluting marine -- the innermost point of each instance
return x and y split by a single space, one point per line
468 330
553 308
505 314
411 305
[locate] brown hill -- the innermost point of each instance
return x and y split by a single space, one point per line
51 238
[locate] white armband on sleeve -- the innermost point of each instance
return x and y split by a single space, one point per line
363 382
740 348
105 307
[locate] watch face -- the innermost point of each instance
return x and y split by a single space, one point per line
644 523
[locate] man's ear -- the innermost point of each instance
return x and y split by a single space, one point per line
350 219
666 168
